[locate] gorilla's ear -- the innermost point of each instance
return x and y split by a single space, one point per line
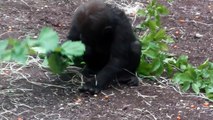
108 30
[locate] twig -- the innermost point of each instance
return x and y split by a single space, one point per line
5 33
145 96
202 23
27 4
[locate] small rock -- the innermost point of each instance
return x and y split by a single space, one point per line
61 108
198 35
125 107
197 13
35 37
95 95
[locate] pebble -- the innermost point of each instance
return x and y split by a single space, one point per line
198 35
197 13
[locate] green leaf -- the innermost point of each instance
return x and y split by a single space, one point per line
39 50
182 62
48 39
169 39
150 53
159 71
157 18
177 78
147 39
162 10
170 60
209 92
169 69
196 87
152 25
163 46
45 63
211 75
204 65
12 42
209 89
153 2
3 45
32 43
141 26
56 63
183 67
192 73
181 78
160 35
19 52
183 59
205 73
210 96
144 68
185 86
6 55
75 48
141 12
211 65
156 64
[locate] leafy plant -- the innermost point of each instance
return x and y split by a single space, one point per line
198 78
154 41
155 60
13 50
57 57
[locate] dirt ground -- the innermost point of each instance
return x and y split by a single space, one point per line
31 93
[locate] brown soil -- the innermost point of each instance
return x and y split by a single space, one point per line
31 93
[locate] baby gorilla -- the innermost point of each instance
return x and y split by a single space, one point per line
112 50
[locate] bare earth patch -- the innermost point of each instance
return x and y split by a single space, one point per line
32 93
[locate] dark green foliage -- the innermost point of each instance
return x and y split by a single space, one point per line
57 57
155 59
154 41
